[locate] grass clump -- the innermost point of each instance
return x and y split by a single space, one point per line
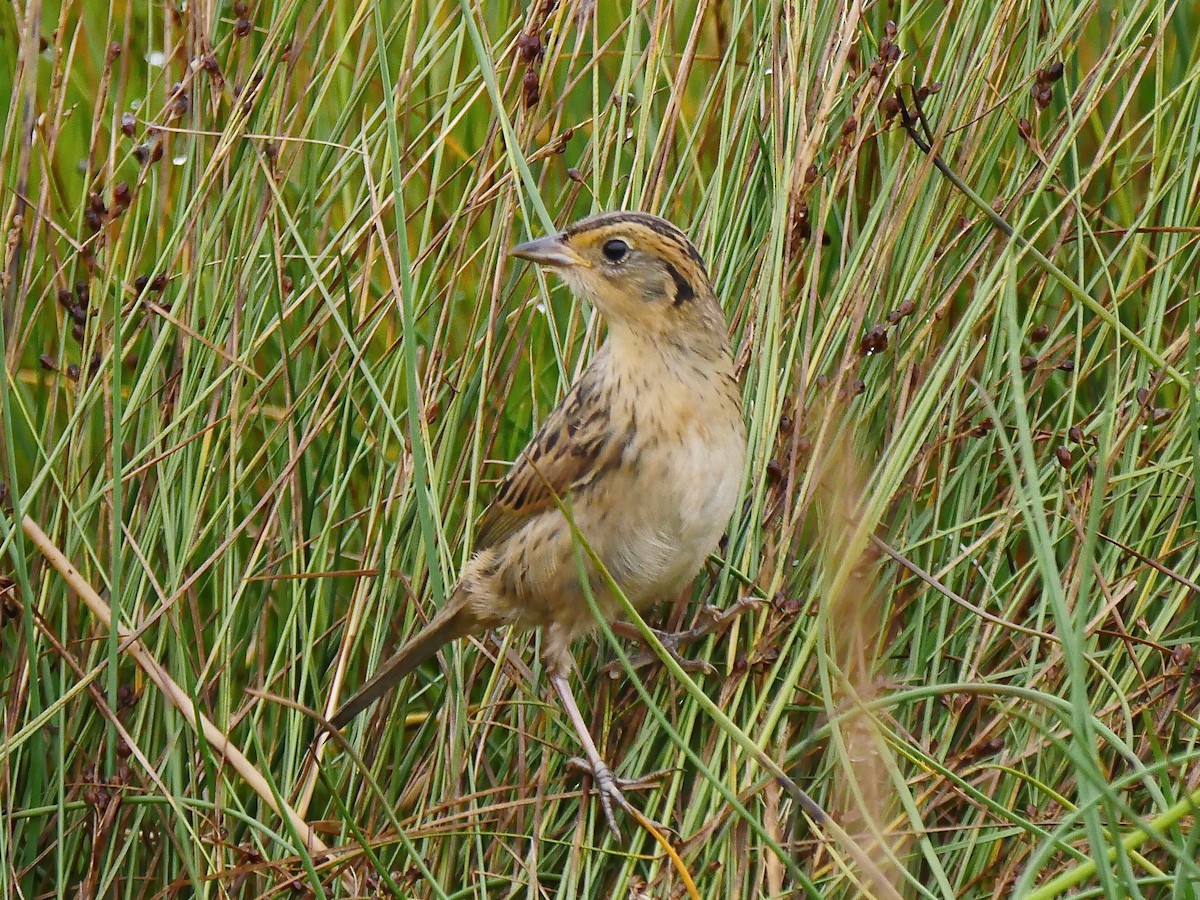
262 352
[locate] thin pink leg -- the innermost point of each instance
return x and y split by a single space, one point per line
606 783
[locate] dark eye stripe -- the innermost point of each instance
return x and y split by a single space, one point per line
661 227
683 288
665 229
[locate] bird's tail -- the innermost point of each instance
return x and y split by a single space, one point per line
455 620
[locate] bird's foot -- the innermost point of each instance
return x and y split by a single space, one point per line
611 788
717 620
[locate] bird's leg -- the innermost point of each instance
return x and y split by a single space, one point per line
717 620
607 784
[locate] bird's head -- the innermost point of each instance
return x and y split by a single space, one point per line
641 273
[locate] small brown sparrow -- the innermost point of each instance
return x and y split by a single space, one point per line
645 451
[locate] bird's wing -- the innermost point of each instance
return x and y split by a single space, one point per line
574 445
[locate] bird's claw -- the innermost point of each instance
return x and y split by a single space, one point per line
670 642
718 619
610 787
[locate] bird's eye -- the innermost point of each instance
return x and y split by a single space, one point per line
615 250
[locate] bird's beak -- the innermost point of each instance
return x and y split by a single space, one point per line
551 250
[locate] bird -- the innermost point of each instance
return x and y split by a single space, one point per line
644 454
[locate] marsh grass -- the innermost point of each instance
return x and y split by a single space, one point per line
301 356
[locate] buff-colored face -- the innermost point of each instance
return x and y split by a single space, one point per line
638 270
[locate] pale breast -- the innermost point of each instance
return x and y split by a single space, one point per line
678 505
652 516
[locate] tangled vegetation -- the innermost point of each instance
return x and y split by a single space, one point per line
264 354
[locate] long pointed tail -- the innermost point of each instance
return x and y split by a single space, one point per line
454 621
